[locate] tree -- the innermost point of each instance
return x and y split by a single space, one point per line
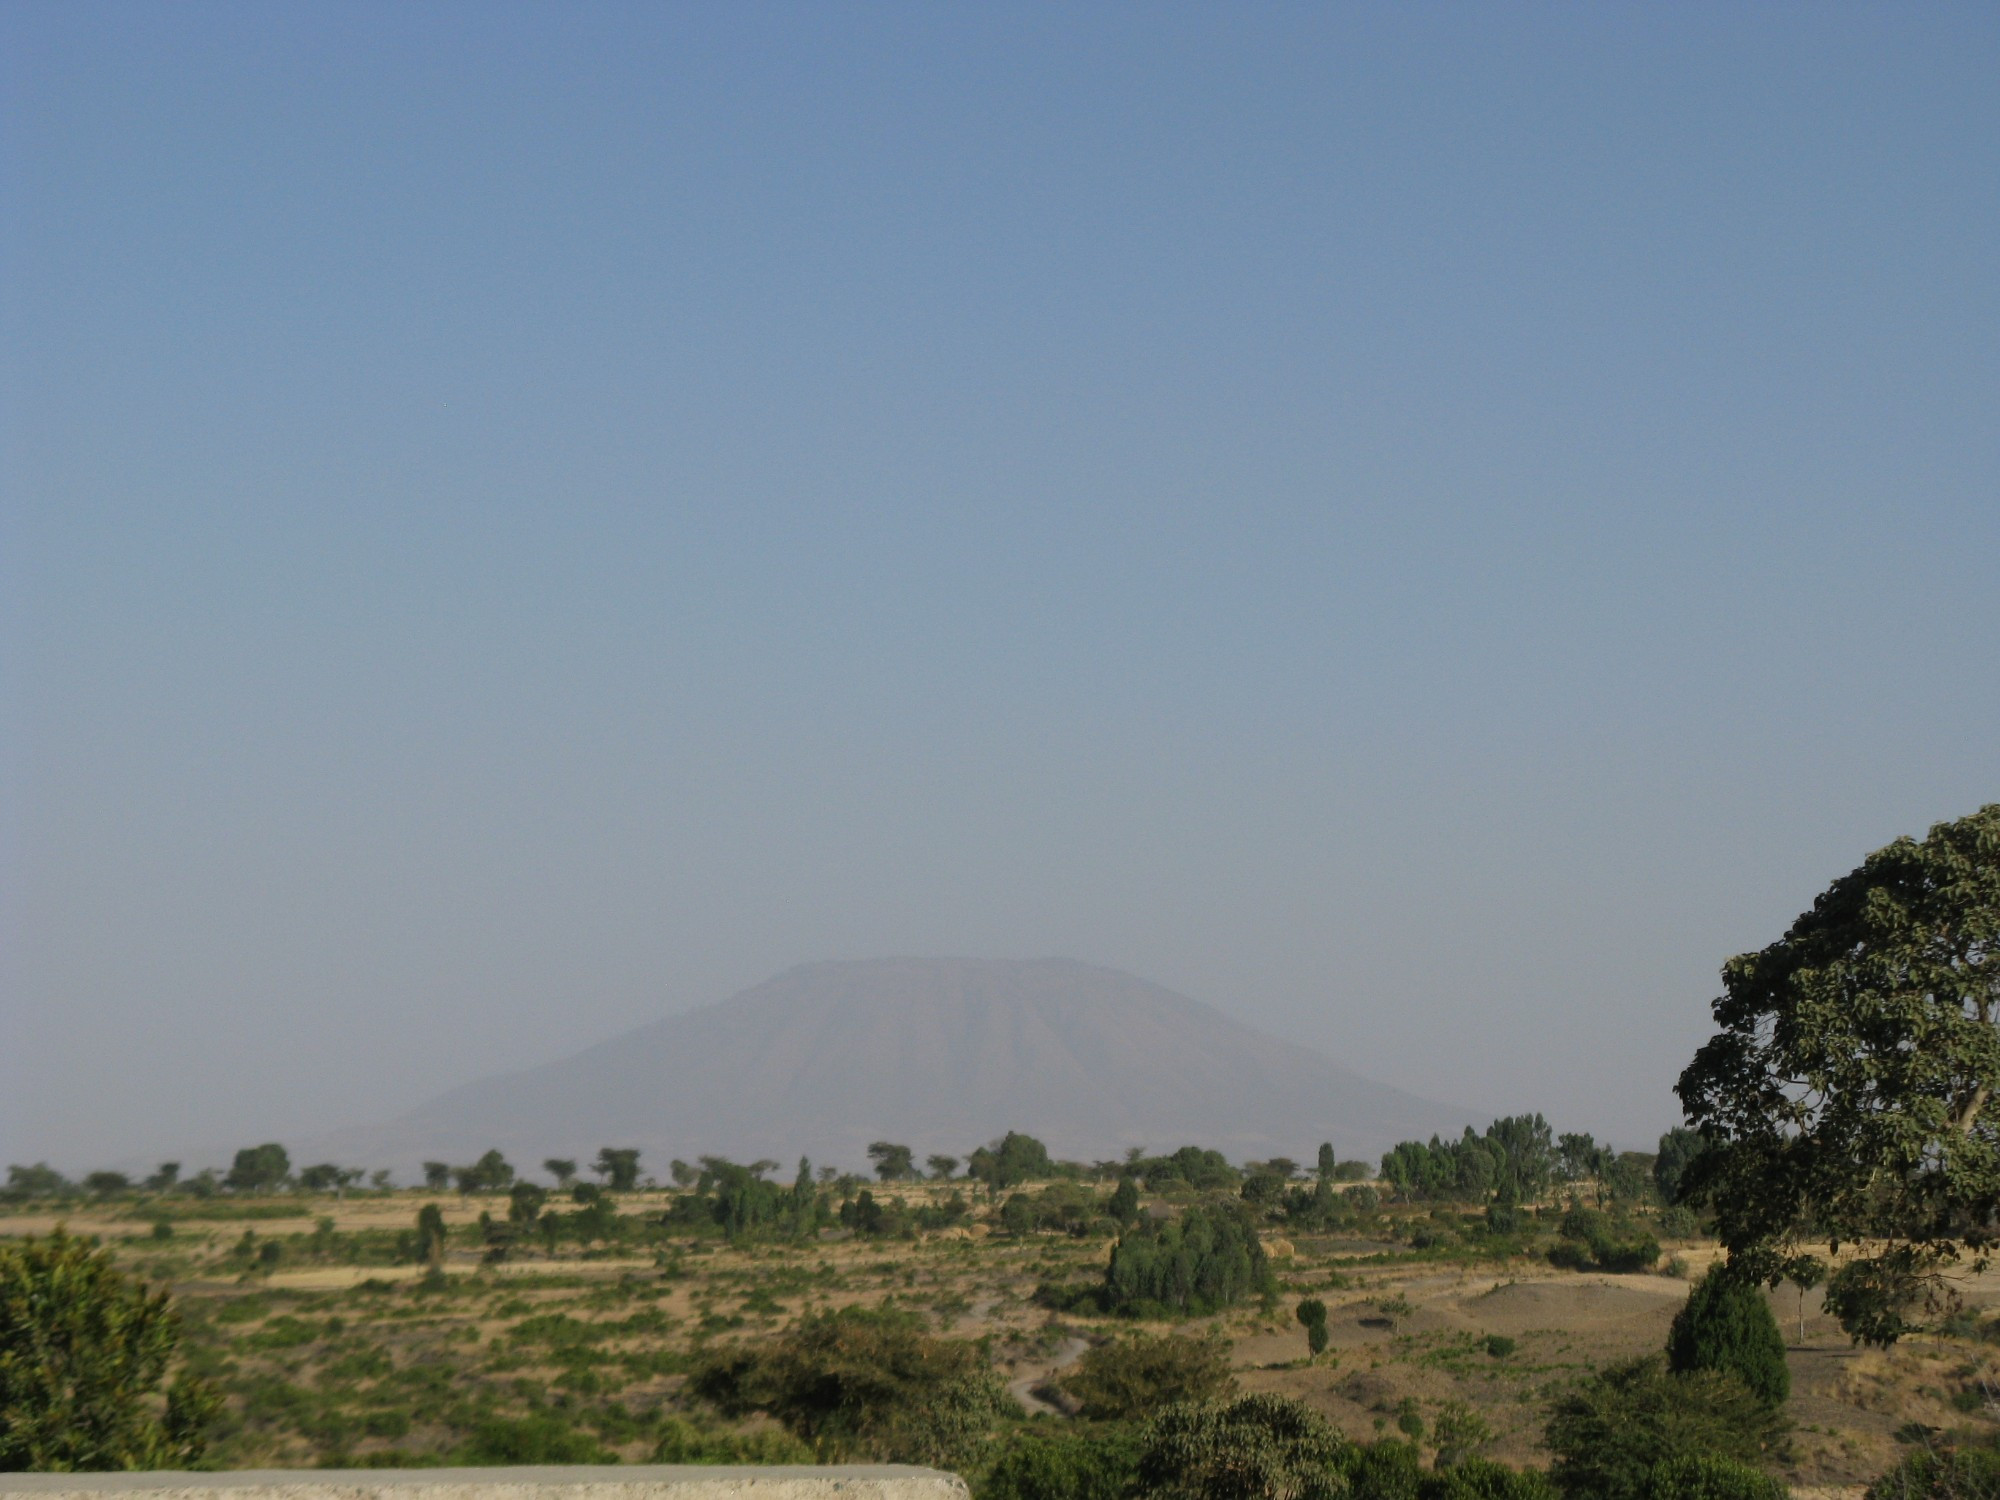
618 1166
490 1174
164 1177
83 1353
39 1181
1727 1325
941 1167
684 1176
437 1175
1609 1432
1130 1379
1577 1157
1124 1205
563 1169
322 1177
259 1169
1013 1158
431 1236
1312 1317
1263 1447
107 1184
892 1162
1206 1260
862 1382
1846 1097
1328 1162
1678 1149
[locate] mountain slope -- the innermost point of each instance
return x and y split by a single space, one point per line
942 1054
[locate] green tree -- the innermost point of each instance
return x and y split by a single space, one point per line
1263 1447
1678 1149
941 1167
1124 1205
893 1163
1726 1324
1130 1379
1312 1317
437 1175
1206 1260
563 1169
431 1236
862 1383
163 1177
618 1166
84 1352
1096 1463
1328 1162
1846 1097
107 1184
259 1169
1013 1158
322 1177
1608 1432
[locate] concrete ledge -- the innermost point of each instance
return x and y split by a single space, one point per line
595 1482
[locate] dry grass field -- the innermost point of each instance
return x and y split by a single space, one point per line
337 1348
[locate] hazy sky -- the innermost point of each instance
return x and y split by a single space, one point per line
1426 527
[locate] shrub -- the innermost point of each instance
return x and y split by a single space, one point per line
1206 1260
1727 1325
1609 1432
1707 1477
684 1442
1130 1379
1263 1447
1459 1434
542 1438
863 1382
1312 1315
1387 1470
1942 1474
1482 1479
1098 1465
1679 1223
1499 1345
83 1352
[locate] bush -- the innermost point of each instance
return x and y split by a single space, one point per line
1678 1223
1590 1242
1609 1432
1262 1447
1482 1479
861 1382
1706 1477
1727 1325
1097 1465
1499 1345
1384 1471
1130 1379
83 1354
1942 1474
683 1442
1206 1260
542 1438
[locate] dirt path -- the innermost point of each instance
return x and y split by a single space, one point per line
1022 1387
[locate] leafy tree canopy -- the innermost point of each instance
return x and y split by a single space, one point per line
83 1353
1727 1325
1130 1379
1262 1447
618 1166
1847 1096
893 1163
258 1169
1609 1432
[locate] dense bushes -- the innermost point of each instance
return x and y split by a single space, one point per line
1204 1261
863 1383
1942 1474
1132 1378
1592 1241
1092 1463
1260 1447
1727 1325
84 1351
1608 1434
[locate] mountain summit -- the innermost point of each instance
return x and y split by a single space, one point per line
942 1054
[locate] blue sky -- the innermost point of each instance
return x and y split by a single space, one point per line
1428 528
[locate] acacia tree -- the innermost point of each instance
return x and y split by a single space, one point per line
1847 1098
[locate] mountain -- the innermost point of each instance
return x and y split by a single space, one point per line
940 1054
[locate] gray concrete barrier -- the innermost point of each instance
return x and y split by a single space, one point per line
637 1482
